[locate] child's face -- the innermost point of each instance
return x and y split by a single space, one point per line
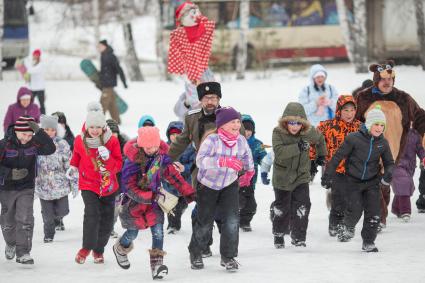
24 137
319 80
232 127
151 150
173 137
348 113
50 132
294 127
25 102
248 134
377 129
95 132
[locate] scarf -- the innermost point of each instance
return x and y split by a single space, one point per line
228 139
194 33
96 142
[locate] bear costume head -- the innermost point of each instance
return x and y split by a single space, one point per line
382 70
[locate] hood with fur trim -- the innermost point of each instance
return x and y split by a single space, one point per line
294 111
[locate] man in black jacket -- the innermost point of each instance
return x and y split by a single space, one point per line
109 69
18 157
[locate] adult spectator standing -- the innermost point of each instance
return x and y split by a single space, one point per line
37 84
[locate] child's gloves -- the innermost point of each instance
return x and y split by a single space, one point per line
72 170
230 162
103 152
19 174
303 145
264 178
245 179
34 126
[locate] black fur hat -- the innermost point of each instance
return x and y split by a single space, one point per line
208 88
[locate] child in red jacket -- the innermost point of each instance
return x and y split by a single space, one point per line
97 157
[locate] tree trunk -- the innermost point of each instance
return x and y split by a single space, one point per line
161 52
242 52
1 37
96 21
131 60
419 11
360 35
355 34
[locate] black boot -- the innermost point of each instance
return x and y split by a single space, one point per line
229 263
279 241
196 261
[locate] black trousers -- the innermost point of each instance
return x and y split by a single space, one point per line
338 201
98 220
226 203
290 211
41 97
247 205
175 221
52 210
420 203
363 196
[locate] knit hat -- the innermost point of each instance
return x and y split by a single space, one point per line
36 53
21 125
50 122
208 88
375 116
95 116
382 70
182 9
103 42
148 137
113 126
61 117
224 115
146 120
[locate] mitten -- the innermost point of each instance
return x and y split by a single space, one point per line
264 178
230 162
303 145
19 174
103 152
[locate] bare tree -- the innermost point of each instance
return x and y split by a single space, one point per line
1 37
96 20
157 9
355 33
419 9
130 58
242 52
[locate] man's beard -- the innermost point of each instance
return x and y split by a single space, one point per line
210 110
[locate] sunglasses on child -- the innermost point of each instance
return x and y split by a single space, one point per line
294 123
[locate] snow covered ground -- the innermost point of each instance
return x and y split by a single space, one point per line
323 260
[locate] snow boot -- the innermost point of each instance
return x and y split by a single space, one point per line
196 261
59 226
81 256
246 228
10 252
159 270
121 253
25 259
172 230
345 233
333 230
98 258
369 247
207 252
405 217
230 264
48 239
279 241
298 243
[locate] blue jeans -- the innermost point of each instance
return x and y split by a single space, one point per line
157 237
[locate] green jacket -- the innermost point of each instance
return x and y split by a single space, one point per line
291 167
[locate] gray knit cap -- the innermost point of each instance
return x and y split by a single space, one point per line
95 116
47 121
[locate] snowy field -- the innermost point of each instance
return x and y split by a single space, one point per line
401 245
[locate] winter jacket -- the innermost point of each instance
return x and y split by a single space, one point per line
36 73
363 153
257 149
335 130
51 182
86 160
139 209
267 162
311 93
402 182
291 166
16 110
410 111
14 155
110 68
212 148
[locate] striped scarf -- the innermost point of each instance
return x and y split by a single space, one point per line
228 139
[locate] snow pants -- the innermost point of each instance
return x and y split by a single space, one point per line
109 103
290 211
338 201
247 205
401 205
363 196
98 220
420 203
226 203
17 219
41 98
52 210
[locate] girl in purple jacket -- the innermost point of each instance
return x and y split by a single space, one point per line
402 182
